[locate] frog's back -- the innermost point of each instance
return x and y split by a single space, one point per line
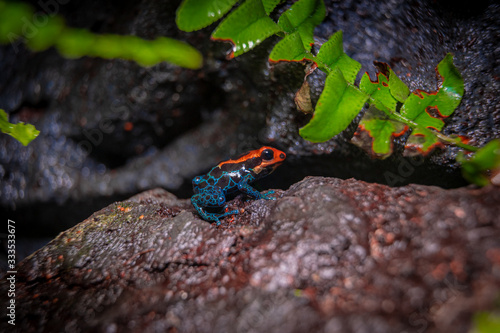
248 167
228 174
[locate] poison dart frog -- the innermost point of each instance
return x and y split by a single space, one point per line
230 176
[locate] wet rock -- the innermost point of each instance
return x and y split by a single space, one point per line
110 129
328 255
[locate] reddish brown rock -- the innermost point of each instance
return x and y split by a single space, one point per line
328 256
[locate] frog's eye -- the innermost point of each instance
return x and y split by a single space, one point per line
267 154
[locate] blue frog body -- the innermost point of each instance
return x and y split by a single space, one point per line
231 176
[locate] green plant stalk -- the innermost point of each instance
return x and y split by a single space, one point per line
397 116
413 125
24 133
75 43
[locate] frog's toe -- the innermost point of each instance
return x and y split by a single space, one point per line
268 195
233 212
212 218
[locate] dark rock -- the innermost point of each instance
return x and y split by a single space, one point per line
110 129
328 255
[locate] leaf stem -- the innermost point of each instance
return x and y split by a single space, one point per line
413 125
441 136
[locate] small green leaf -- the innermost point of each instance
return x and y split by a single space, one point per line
488 157
47 34
269 5
24 133
303 17
246 27
75 43
425 118
398 88
12 20
420 104
381 131
486 322
290 48
376 133
331 55
379 90
142 51
386 90
476 168
178 52
111 46
337 106
422 141
16 22
197 14
452 87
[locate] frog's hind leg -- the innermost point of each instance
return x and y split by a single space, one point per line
213 217
212 196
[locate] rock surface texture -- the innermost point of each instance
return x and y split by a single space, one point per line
110 128
328 255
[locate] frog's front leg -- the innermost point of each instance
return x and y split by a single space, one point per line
211 196
244 187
